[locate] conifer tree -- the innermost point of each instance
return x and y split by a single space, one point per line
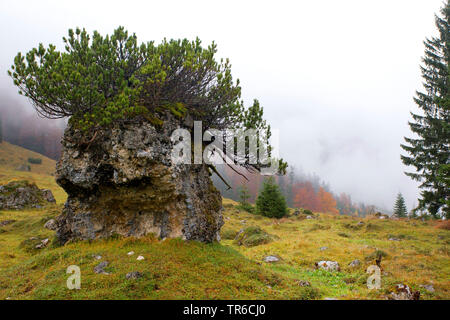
400 207
429 151
244 196
271 202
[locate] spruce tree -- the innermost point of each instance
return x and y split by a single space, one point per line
244 196
271 202
429 152
400 207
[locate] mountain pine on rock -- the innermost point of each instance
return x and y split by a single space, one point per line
429 152
400 207
270 202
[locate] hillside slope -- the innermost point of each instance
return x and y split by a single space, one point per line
12 156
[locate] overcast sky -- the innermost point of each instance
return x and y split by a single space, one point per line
336 78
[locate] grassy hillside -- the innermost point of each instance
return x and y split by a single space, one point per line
174 269
12 156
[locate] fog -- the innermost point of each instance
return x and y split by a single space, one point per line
336 78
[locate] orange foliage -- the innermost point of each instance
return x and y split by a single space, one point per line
327 203
305 196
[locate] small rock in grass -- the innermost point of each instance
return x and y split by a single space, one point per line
51 224
100 267
134 275
328 265
394 239
355 263
303 283
140 258
270 259
43 244
6 222
130 253
428 287
323 248
404 292
309 217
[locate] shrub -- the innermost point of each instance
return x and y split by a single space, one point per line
271 203
35 160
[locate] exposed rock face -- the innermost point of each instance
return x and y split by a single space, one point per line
18 195
125 183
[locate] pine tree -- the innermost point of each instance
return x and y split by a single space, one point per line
271 202
429 152
400 207
244 196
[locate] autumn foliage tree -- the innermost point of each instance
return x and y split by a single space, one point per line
327 203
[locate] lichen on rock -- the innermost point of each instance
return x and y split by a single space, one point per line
124 182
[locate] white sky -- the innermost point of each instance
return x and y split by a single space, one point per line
336 78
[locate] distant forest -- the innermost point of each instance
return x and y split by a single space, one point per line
301 190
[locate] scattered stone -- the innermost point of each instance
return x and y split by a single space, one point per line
97 257
43 244
271 259
51 225
328 265
323 248
355 263
428 287
360 223
404 292
394 239
134 275
23 167
304 283
382 217
309 217
130 253
100 268
140 258
6 222
243 221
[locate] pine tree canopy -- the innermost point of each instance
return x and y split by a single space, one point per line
270 202
101 80
429 151
400 207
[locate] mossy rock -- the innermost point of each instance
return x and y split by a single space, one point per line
252 236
